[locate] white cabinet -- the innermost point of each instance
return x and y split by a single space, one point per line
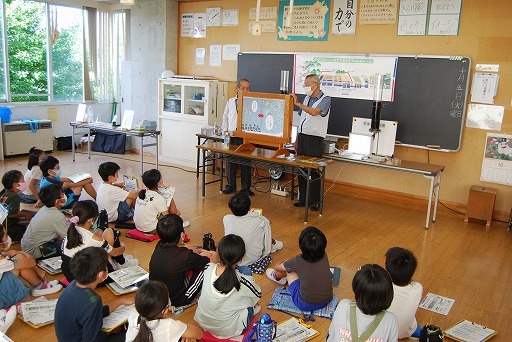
184 107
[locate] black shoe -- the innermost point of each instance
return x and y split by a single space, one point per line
299 204
315 207
228 190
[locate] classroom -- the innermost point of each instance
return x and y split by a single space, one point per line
366 210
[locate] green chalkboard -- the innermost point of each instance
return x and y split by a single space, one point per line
429 100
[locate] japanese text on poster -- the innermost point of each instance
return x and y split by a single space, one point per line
412 18
444 17
377 12
344 16
309 20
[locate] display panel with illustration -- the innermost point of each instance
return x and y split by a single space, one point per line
265 117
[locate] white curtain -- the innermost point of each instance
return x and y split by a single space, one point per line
104 34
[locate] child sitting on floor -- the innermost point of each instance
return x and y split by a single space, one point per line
14 264
229 298
253 228
150 204
118 202
179 268
401 264
33 177
45 232
366 319
16 222
79 236
153 321
308 274
79 312
52 175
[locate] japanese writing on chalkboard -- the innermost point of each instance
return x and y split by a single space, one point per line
458 100
344 17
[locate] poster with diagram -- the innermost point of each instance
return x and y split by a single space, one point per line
263 116
497 161
347 76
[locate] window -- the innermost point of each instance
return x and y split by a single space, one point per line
59 53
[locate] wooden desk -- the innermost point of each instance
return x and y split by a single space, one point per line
429 171
263 158
104 127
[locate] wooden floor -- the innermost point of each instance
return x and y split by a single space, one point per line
468 262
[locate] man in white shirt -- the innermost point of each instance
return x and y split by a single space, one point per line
229 124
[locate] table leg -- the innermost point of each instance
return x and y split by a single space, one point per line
73 143
89 143
141 155
204 174
157 152
221 171
198 154
322 187
292 193
306 201
438 187
431 190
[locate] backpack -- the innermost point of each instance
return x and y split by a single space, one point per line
431 333
264 330
208 242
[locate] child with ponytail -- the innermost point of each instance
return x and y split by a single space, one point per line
80 236
229 298
33 178
150 205
153 320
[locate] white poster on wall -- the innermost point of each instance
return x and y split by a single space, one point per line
187 25
344 14
412 18
215 55
485 116
444 17
230 52
200 53
199 25
347 76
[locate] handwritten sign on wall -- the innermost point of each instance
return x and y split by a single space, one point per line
344 16
377 11
412 17
309 20
444 17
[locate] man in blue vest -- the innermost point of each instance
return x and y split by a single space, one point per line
314 113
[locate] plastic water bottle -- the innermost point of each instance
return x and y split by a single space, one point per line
266 329
89 114
265 319
226 141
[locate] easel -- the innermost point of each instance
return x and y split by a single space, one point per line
270 141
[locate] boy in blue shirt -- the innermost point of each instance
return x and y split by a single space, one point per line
52 175
79 312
